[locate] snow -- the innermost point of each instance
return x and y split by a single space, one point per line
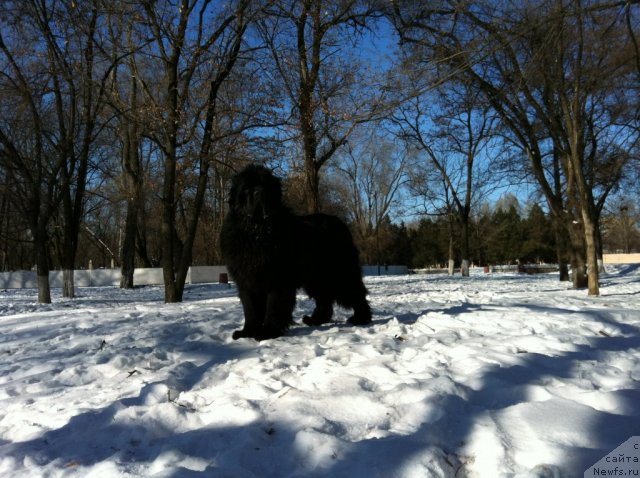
496 375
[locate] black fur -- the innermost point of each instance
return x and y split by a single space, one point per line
270 253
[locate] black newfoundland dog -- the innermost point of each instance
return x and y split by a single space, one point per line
270 253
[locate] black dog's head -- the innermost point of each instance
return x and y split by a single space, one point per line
255 193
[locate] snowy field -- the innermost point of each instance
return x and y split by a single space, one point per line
497 375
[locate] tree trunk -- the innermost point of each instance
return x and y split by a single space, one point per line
68 288
42 270
560 231
132 174
44 290
181 279
562 248
313 187
168 242
141 242
128 253
592 253
601 269
464 247
578 270
584 203
588 227
452 262
68 256
579 274
168 227
578 258
75 180
171 293
563 272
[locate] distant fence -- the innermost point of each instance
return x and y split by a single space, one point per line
522 268
209 274
621 258
108 277
144 276
384 270
533 268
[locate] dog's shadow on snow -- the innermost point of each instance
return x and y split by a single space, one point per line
381 317
341 323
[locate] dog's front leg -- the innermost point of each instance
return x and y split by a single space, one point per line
254 306
280 304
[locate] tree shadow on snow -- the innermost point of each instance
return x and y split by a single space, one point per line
270 449
96 435
437 445
504 387
627 269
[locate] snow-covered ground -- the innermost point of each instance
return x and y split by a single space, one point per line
494 375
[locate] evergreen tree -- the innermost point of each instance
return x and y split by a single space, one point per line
538 238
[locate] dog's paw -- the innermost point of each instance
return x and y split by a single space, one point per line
239 334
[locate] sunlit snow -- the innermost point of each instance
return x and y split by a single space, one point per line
496 375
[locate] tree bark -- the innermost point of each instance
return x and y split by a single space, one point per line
68 289
583 196
128 253
464 246
578 259
592 254
562 248
313 185
451 262
42 268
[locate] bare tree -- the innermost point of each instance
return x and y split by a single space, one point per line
127 98
548 68
63 92
133 182
373 169
25 158
451 129
197 45
309 43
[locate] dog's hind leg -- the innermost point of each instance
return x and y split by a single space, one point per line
323 312
361 312
355 297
